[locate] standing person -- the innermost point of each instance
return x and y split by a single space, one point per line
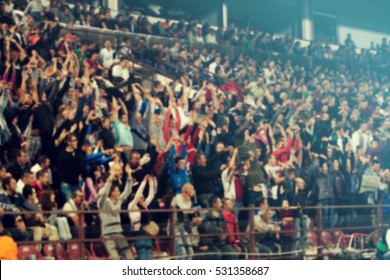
140 219
110 199
183 203
70 166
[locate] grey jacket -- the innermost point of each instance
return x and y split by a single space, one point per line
111 222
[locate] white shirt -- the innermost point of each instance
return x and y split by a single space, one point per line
107 57
212 67
20 186
211 39
229 187
118 71
365 137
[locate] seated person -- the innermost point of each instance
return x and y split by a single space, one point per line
213 223
36 221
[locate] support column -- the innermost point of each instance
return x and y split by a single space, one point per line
113 5
306 22
224 15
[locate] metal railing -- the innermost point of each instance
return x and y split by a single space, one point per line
168 236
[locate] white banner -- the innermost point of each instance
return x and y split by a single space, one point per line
170 270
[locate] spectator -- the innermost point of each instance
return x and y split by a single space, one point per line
26 179
48 203
213 223
72 206
140 219
183 204
70 167
36 221
18 167
106 55
110 199
326 195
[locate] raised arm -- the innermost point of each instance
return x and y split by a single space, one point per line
133 203
152 184
129 184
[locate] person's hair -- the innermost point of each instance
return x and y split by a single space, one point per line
92 171
260 201
213 200
112 189
134 153
178 158
26 173
40 173
69 137
45 201
75 192
42 159
227 199
6 182
198 156
27 191
20 153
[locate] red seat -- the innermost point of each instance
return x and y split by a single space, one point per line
73 250
61 254
98 251
28 252
49 251
312 236
340 239
326 238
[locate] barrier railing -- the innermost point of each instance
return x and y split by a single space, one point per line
369 221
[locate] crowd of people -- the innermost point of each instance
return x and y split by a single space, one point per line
80 129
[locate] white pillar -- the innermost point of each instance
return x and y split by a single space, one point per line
307 22
224 15
113 5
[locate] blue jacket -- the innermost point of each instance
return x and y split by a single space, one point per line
179 176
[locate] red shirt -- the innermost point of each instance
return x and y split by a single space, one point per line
232 227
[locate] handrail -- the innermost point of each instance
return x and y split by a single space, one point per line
250 235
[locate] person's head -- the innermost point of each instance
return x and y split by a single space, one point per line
114 193
3 172
324 168
124 118
43 177
106 123
215 202
262 203
180 163
48 200
201 159
220 147
9 185
363 127
375 166
135 158
27 177
336 165
29 193
95 172
21 158
228 204
44 162
71 141
271 160
107 44
329 152
77 197
188 190
300 183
